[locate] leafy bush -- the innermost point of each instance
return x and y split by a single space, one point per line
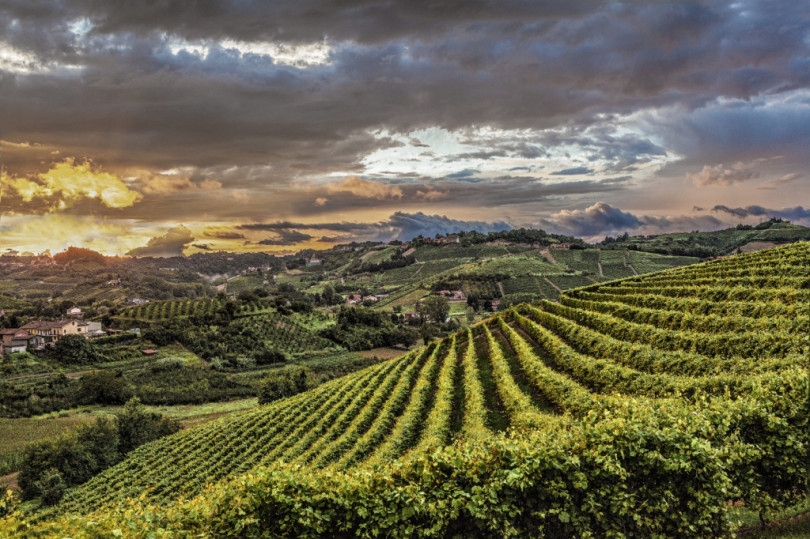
286 383
103 387
52 466
75 349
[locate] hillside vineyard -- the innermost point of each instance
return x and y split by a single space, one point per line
635 407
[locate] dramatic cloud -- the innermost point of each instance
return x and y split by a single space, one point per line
286 237
724 176
64 185
222 233
170 244
406 226
364 189
221 113
572 171
399 226
603 219
597 219
798 213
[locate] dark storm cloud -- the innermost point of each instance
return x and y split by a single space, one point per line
399 226
286 237
466 173
603 219
798 213
214 233
170 244
400 65
709 84
572 171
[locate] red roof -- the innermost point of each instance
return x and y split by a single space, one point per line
149 352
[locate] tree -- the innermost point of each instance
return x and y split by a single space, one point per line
103 387
51 486
137 426
470 315
75 349
435 308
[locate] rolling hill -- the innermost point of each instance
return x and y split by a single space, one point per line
633 407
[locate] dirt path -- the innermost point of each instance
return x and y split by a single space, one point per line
500 287
599 264
549 281
548 256
632 268
417 271
73 375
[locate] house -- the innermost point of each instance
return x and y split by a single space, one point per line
94 330
113 282
496 305
372 299
149 352
411 315
139 301
458 295
381 296
16 340
53 331
560 246
354 299
314 262
75 312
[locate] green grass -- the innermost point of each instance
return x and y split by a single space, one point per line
16 434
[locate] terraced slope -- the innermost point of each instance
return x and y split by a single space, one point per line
639 406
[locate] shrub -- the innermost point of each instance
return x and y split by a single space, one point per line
75 349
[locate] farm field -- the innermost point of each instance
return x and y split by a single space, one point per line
684 388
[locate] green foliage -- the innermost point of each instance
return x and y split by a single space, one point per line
103 387
285 384
624 419
75 350
359 328
137 426
434 308
51 486
52 466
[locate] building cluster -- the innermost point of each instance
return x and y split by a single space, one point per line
359 299
38 334
453 295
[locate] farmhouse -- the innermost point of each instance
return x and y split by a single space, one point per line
94 330
17 340
75 312
314 262
53 331
354 299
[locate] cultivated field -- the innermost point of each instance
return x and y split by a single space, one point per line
637 407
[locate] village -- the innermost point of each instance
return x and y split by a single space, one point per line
40 334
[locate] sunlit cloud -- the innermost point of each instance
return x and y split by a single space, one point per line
364 188
721 175
174 182
172 243
68 183
56 232
301 55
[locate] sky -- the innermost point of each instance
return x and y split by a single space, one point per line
159 128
